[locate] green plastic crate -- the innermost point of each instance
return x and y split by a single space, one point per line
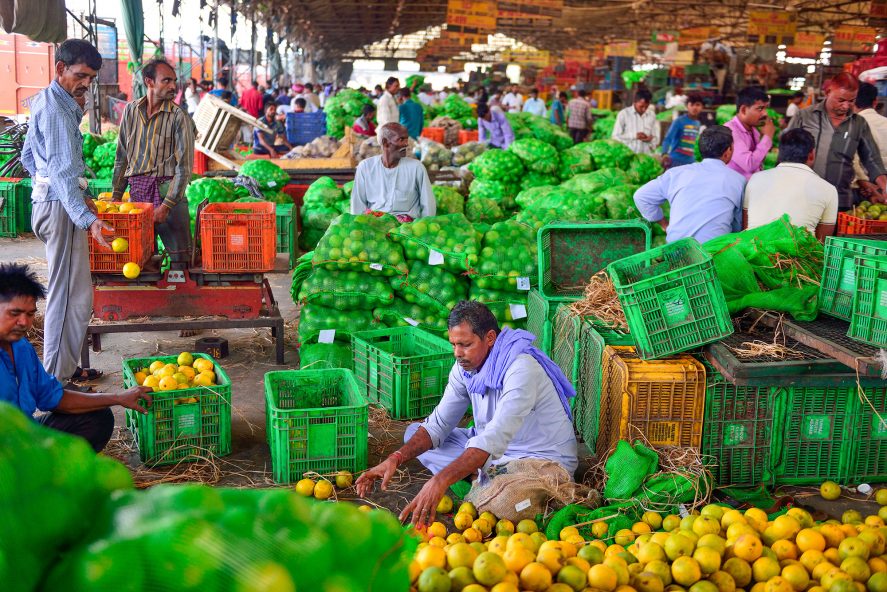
672 299
867 462
317 420
403 369
8 221
97 186
571 252
868 322
286 232
839 273
540 319
813 443
23 206
737 432
174 430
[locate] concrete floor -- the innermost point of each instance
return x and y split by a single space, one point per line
251 356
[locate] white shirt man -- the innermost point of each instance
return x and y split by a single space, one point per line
513 101
535 105
387 110
637 127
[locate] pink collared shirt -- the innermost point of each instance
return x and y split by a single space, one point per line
749 148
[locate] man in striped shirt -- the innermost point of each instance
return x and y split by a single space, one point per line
636 125
155 153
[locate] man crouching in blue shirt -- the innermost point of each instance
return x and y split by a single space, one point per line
520 402
24 382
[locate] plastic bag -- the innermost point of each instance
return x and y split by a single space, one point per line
467 152
346 290
431 287
360 243
508 253
447 240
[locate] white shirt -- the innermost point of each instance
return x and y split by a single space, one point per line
192 99
404 189
512 102
791 110
629 124
535 106
673 101
386 112
426 99
878 126
794 189
310 106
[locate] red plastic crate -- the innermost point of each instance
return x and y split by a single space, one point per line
238 237
849 224
466 136
137 229
434 133
201 162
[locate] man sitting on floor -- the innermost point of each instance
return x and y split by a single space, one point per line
520 402
25 384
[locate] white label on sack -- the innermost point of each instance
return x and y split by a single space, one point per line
518 311
523 283
520 506
376 266
435 257
412 322
326 336
271 183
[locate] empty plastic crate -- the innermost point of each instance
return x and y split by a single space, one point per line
868 321
302 128
238 237
839 273
672 298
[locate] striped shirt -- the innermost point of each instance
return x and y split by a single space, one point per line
53 151
630 123
162 146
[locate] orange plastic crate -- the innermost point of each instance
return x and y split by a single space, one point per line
238 237
137 229
434 133
466 136
850 224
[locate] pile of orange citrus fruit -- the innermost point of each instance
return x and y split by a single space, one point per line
323 488
718 549
187 372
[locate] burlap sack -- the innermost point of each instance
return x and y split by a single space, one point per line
520 489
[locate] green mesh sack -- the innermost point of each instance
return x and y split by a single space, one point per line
456 108
267 174
346 189
277 197
591 183
319 356
483 210
302 272
627 468
402 313
603 128
449 201
527 197
346 290
498 191
506 306
481 228
360 243
508 253
499 165
617 517
547 132
620 202
314 318
566 205
610 154
643 168
450 236
323 193
534 219
536 155
518 124
533 179
431 287
664 492
574 161
315 221
342 109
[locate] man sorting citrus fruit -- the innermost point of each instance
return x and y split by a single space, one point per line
523 433
25 383
155 154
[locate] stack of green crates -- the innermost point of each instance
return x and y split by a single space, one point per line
672 299
839 281
23 206
868 320
185 424
8 220
540 315
316 420
403 369
286 233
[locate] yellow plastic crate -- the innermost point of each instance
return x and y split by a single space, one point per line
660 402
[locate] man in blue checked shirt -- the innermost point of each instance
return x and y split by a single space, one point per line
62 214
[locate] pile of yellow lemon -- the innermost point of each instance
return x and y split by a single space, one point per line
718 549
116 207
188 372
323 488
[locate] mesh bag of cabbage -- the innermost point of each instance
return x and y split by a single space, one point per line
449 241
514 268
360 243
346 290
431 287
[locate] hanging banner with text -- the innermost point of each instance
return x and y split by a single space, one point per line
527 57
471 19
806 45
772 26
853 39
625 48
660 38
528 14
697 35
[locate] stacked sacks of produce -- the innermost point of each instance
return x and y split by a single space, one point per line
604 122
102 159
349 280
467 152
90 143
71 520
540 160
269 176
441 251
456 108
323 201
434 155
491 195
506 271
449 200
342 109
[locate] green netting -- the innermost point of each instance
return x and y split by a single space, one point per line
620 202
402 313
484 210
500 192
527 197
643 168
323 192
319 356
566 205
536 155
360 243
507 307
449 201
508 253
467 152
773 267
451 236
267 174
498 165
591 183
346 290
574 161
431 287
609 153
302 272
534 179
315 221
626 469
314 318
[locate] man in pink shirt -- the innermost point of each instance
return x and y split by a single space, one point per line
752 131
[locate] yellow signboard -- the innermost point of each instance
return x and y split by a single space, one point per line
473 17
528 13
625 48
853 39
697 35
577 55
772 26
806 45
527 57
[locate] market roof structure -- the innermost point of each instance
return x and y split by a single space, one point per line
339 28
